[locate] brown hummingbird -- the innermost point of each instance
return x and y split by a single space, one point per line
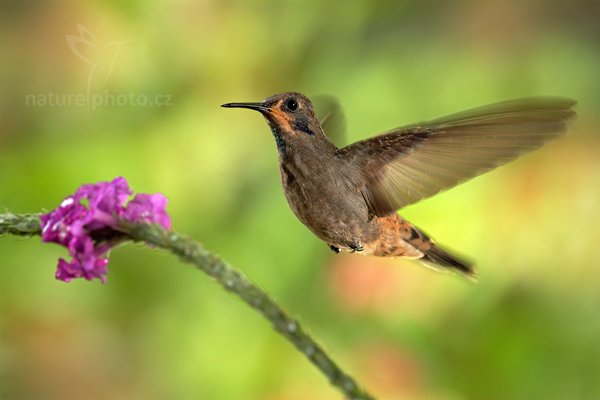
348 196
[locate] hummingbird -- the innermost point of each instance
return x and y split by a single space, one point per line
349 196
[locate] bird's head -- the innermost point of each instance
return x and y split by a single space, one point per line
291 118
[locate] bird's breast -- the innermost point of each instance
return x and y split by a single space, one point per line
327 204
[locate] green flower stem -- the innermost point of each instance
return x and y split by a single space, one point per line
21 225
228 277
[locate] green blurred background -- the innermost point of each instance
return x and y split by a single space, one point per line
158 329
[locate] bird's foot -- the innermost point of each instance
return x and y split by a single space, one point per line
334 248
356 247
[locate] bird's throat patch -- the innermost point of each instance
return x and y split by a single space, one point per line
278 140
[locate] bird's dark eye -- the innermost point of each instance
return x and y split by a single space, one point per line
291 104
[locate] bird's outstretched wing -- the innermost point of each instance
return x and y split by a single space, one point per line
407 164
331 117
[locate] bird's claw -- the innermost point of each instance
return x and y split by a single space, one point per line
356 247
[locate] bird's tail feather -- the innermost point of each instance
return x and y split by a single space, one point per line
409 241
439 258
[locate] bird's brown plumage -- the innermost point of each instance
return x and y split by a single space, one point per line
349 196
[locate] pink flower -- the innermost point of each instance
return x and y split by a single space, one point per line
148 208
85 223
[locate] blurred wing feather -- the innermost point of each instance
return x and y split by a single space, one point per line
331 117
407 164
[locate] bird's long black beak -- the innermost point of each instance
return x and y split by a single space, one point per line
252 106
